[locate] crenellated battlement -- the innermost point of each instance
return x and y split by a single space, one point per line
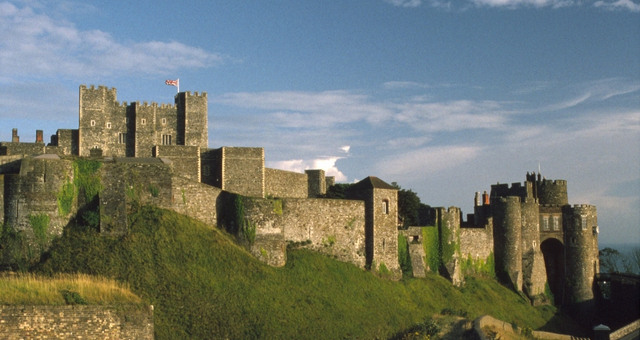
100 88
555 182
583 206
196 94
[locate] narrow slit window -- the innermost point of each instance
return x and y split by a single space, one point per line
385 206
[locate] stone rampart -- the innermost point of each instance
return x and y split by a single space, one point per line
332 227
128 183
76 322
185 159
10 164
194 199
476 243
281 183
31 198
8 148
242 171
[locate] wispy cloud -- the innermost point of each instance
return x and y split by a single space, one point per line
622 5
452 116
305 109
618 5
419 163
524 3
39 45
591 92
405 3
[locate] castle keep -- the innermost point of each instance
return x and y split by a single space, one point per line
126 155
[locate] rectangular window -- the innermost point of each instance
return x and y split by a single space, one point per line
164 121
583 222
143 121
122 138
108 125
166 139
93 122
545 223
556 223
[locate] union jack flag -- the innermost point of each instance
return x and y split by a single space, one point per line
171 82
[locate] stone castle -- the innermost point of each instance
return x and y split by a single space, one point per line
137 154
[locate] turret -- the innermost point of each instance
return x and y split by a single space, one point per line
581 242
507 239
192 119
552 192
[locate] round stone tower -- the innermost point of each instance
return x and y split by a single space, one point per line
533 268
581 251
507 239
552 192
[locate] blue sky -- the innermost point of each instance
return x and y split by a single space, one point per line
443 97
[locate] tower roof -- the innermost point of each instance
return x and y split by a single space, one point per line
373 182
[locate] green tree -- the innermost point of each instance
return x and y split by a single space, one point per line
411 211
338 191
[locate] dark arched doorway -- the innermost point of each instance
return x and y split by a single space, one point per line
553 252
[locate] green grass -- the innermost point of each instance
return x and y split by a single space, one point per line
28 289
203 285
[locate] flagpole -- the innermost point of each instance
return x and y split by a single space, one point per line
178 85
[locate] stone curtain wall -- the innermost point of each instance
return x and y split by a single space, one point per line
66 141
195 200
76 322
185 160
476 243
280 183
128 183
35 193
7 148
243 171
331 227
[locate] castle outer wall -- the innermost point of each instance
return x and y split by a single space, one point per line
76 322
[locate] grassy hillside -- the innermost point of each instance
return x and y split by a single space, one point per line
27 289
204 286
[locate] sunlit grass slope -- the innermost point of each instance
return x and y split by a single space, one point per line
29 289
204 286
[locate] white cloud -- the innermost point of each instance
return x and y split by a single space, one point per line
328 164
618 5
345 148
40 45
405 3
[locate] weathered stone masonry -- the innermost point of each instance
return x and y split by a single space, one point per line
76 322
158 154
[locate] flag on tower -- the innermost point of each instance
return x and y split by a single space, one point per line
175 83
